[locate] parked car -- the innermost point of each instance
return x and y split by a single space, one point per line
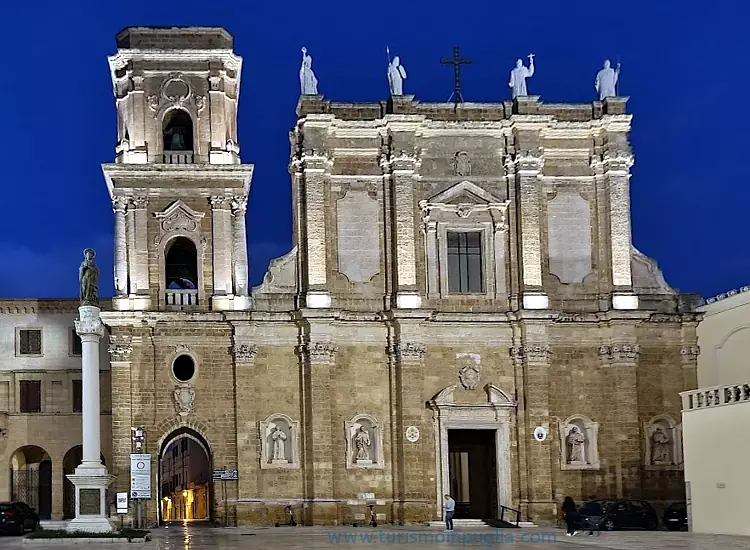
675 517
17 517
608 515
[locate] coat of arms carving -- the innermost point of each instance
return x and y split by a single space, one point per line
470 373
184 400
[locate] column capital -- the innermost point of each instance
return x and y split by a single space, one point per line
120 353
239 205
220 202
89 324
620 353
120 204
531 353
689 355
139 202
408 351
245 353
319 352
529 162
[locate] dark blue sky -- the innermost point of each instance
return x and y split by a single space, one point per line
685 66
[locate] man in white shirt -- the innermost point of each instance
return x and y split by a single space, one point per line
450 509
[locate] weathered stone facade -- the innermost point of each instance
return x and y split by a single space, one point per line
361 323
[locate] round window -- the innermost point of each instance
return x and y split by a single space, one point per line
183 368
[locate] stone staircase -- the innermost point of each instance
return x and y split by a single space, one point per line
475 524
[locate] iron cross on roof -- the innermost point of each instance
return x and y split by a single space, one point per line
456 61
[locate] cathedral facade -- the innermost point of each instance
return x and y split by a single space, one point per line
462 310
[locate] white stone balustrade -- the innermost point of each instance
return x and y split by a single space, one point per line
715 396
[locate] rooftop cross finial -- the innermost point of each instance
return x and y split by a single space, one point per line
456 61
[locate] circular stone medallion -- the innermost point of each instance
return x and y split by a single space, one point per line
412 434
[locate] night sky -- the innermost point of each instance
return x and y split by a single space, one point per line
684 67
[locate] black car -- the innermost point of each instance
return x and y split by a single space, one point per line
608 515
17 517
675 518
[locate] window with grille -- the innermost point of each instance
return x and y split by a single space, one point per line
31 396
77 396
76 347
465 274
30 342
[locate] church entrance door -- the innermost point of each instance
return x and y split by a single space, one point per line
473 473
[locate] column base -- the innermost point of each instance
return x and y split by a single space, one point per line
318 299
408 300
131 303
230 302
624 301
535 301
91 482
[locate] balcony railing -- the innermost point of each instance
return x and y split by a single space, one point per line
178 157
715 396
182 298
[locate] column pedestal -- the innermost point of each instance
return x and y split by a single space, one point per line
90 478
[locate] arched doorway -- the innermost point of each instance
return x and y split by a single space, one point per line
181 273
185 477
31 479
71 461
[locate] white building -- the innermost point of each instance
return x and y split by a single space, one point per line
716 419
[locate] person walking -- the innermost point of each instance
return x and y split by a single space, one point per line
570 515
450 508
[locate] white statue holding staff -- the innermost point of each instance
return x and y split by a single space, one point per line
519 75
396 74
606 80
308 82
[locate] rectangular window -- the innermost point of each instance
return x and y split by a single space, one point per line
76 347
30 342
31 396
77 396
465 263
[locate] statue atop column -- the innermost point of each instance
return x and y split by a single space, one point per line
88 279
308 81
396 75
519 75
606 81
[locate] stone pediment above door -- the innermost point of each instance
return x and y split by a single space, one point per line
178 216
463 199
450 398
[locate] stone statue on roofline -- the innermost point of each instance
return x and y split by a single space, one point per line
606 81
519 75
396 75
308 81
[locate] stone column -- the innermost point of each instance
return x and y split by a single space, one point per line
318 361
413 491
616 167
527 168
119 205
404 170
221 233
531 358
90 478
314 166
239 240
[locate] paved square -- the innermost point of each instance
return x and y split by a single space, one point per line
201 536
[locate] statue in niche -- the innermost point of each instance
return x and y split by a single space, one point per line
396 76
174 139
362 442
88 279
606 81
660 443
519 75
308 81
575 441
279 447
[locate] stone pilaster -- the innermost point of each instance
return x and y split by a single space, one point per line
140 248
527 167
239 240
616 169
318 356
221 233
404 170
119 205
412 488
313 166
217 99
120 353
531 356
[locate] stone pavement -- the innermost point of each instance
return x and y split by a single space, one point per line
201 536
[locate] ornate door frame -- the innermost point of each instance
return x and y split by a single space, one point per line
496 415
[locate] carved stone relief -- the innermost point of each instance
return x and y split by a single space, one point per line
279 438
578 444
663 443
184 399
364 443
470 372
462 164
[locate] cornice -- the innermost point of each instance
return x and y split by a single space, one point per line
713 305
34 306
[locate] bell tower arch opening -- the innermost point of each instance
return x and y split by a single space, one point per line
177 134
181 272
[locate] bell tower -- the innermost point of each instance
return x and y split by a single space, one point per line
178 188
